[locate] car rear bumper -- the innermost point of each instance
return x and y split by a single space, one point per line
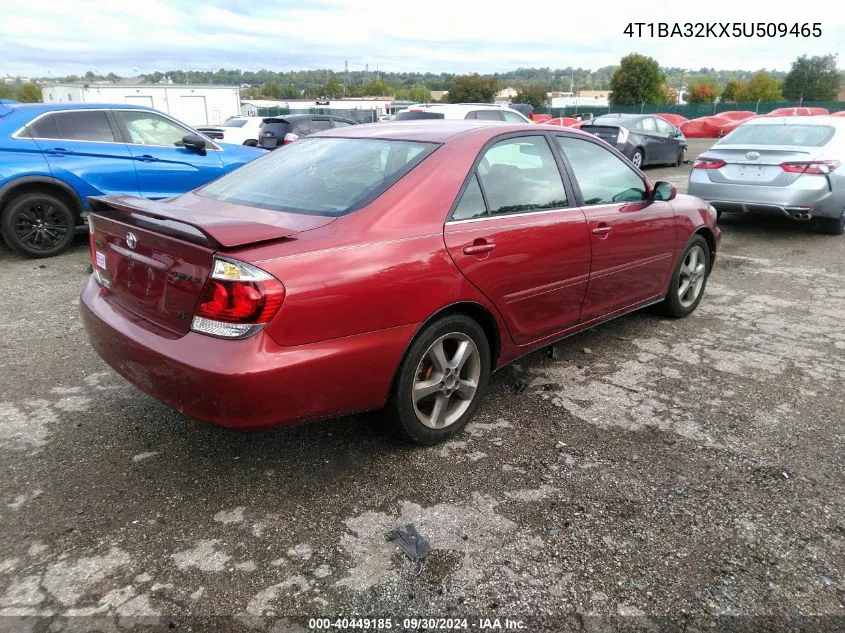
804 197
252 383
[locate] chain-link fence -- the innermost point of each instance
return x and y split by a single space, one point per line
695 110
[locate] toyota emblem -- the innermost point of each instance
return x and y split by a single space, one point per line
131 240
752 155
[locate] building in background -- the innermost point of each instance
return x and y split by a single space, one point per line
591 98
194 105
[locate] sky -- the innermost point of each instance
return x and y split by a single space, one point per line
127 37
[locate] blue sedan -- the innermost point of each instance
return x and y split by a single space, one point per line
53 156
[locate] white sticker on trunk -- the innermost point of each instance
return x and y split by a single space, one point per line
101 260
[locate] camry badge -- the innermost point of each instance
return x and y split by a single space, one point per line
131 240
752 155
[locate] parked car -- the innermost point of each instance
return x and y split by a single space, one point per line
238 130
644 138
789 166
282 130
525 109
384 265
479 111
53 156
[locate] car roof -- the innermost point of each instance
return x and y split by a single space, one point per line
835 121
622 116
38 108
439 131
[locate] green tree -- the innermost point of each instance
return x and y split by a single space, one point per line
813 79
731 88
472 89
333 88
702 92
637 80
112 77
535 94
419 94
6 92
376 88
29 93
761 87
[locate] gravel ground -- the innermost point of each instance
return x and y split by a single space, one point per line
652 475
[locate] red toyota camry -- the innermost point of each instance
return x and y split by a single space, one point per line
391 265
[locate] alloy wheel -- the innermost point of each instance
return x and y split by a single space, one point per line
637 159
40 226
446 380
691 279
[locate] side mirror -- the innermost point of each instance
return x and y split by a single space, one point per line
663 191
194 143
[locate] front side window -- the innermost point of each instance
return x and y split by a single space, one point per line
318 125
520 174
646 125
602 176
147 128
84 125
320 176
664 127
487 115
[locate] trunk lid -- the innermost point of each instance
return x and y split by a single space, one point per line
154 257
758 164
609 133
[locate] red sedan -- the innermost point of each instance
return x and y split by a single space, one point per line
387 266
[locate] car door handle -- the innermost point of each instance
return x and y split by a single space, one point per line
57 151
146 158
479 247
602 230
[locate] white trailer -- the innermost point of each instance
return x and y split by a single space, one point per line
194 105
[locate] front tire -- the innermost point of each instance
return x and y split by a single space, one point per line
38 225
832 226
251 143
440 380
688 280
680 160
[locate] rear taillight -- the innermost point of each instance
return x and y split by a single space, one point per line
708 163
822 167
290 137
623 136
98 259
237 300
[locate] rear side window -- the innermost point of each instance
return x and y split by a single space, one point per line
45 127
520 174
84 125
512 117
486 115
302 127
320 176
341 123
472 202
318 125
780 134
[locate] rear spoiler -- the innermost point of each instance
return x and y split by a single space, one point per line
201 227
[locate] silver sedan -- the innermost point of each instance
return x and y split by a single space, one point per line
792 166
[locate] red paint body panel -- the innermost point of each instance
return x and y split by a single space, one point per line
359 287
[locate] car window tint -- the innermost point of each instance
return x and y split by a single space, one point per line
664 127
45 127
602 176
341 123
512 117
320 176
520 174
84 125
147 128
647 125
472 202
302 127
318 125
488 115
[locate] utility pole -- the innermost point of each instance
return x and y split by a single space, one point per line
345 76
572 80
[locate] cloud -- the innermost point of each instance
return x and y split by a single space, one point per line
73 36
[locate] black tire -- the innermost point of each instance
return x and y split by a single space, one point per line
680 159
672 305
401 408
251 143
38 225
718 214
639 163
832 226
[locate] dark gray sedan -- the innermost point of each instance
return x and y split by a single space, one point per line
789 166
645 139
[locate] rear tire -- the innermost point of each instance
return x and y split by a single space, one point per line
38 225
832 226
638 158
688 280
251 143
440 380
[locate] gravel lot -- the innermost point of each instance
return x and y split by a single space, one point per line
655 475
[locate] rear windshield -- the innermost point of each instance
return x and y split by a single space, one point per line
234 123
320 176
414 116
607 120
780 134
